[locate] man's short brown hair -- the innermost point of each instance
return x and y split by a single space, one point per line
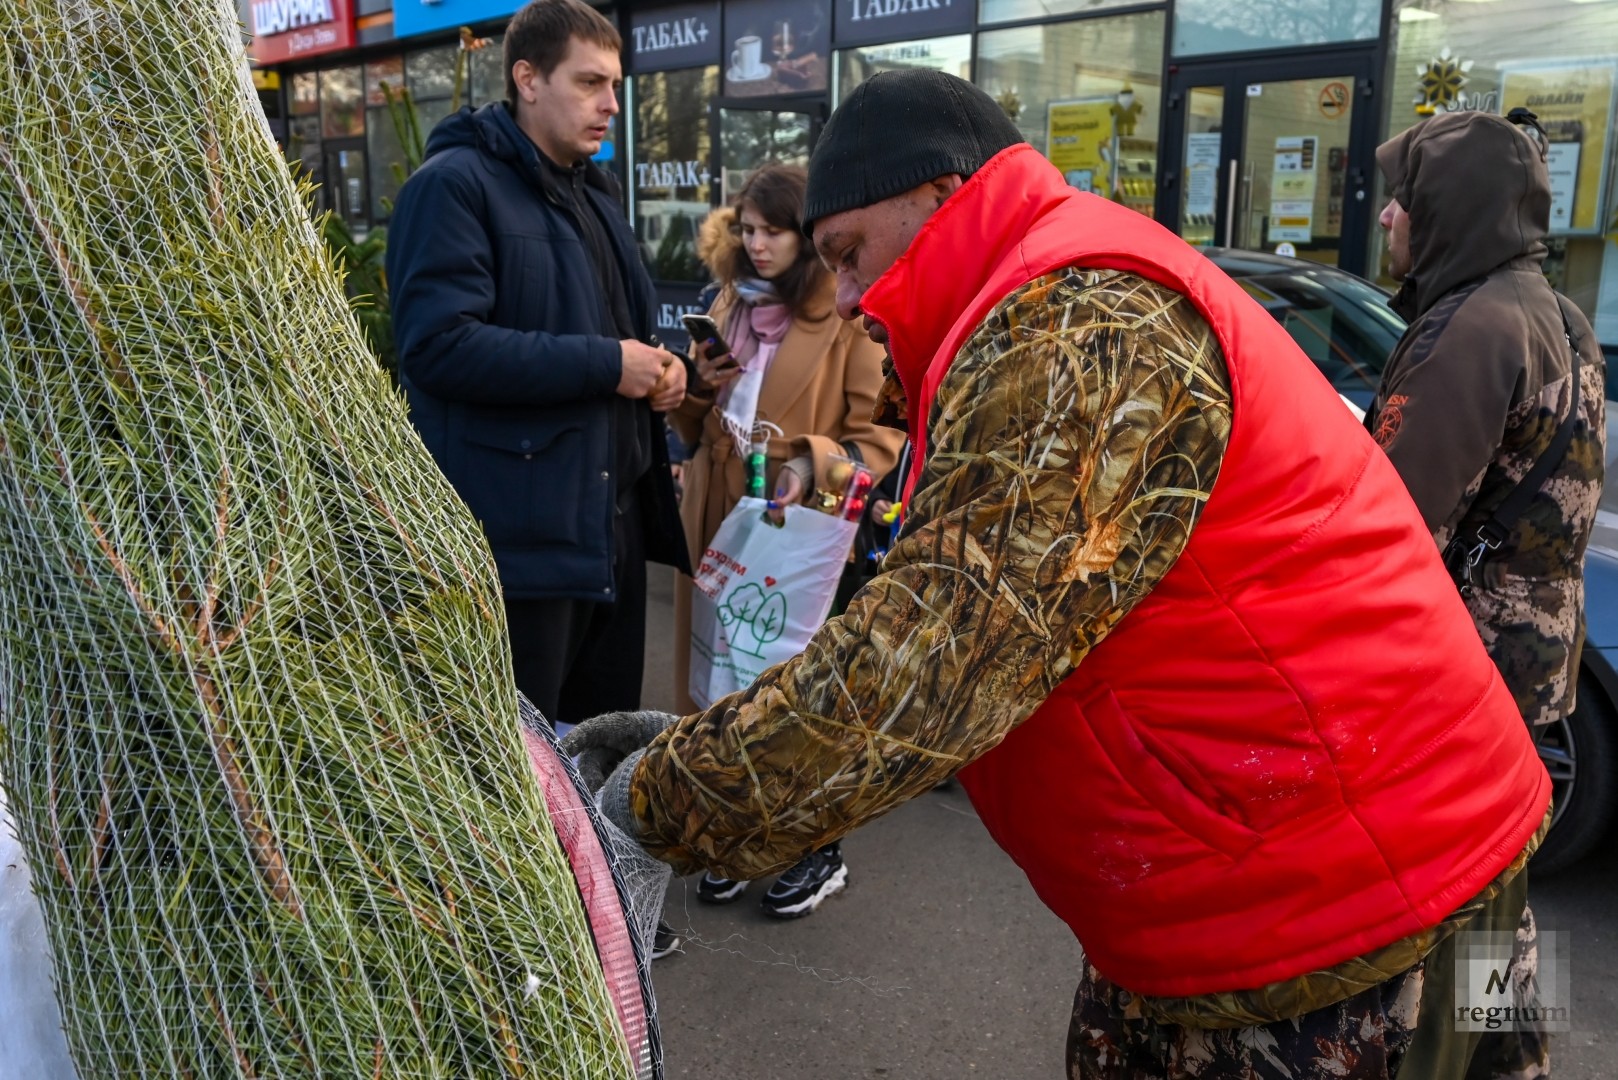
541 32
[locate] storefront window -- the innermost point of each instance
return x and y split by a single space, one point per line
489 73
342 103
996 11
1088 95
303 130
1220 26
390 71
432 72
669 172
1556 57
305 94
384 150
951 54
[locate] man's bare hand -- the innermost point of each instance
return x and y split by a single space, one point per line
643 367
669 389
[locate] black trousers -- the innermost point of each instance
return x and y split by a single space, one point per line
575 659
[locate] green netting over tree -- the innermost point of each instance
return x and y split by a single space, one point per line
258 723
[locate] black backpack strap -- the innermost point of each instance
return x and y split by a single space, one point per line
1464 554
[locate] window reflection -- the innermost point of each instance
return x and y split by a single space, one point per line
1088 95
949 54
1217 26
1010 10
432 72
342 103
670 173
489 72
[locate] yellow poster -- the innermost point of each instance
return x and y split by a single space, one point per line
1078 140
1573 100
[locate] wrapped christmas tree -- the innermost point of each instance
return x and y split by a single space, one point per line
257 724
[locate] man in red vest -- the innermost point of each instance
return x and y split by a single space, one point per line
1158 600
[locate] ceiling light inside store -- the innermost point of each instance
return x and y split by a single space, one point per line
1412 14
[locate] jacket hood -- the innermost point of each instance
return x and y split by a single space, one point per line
719 245
492 130
1478 194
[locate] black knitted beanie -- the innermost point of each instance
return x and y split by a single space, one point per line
899 129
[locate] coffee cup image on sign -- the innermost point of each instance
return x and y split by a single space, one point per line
747 60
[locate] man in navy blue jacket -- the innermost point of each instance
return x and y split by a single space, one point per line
522 310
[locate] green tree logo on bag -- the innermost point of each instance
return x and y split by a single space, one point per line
748 613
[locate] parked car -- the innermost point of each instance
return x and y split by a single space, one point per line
1344 325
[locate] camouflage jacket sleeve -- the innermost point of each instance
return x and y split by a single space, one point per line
1072 446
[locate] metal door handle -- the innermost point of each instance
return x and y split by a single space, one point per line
1230 204
1247 205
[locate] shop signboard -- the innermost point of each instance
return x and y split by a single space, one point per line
425 16
674 300
1078 140
666 38
867 22
1574 102
1292 188
776 47
285 30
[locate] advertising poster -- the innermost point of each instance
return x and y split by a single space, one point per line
1292 188
1202 174
1574 102
1078 141
776 47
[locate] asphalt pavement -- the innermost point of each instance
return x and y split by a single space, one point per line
938 961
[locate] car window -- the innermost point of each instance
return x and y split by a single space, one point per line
1340 322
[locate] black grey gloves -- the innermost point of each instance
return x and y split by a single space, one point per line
607 749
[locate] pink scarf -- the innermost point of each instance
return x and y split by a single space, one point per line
757 327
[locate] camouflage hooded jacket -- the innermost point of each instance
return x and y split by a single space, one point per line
1475 391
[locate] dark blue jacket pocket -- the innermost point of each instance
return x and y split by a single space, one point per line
524 478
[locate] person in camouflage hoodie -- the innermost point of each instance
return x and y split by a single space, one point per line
1475 391
1471 399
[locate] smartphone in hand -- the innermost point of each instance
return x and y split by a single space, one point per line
702 328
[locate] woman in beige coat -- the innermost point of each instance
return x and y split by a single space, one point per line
820 378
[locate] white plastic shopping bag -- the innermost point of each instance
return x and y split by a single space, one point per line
762 591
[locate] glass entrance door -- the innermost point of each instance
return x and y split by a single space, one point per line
1272 156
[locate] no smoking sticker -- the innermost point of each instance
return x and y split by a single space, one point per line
1333 100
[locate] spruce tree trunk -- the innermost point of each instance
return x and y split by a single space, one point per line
259 728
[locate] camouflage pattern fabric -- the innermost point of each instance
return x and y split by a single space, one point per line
1073 443
1362 1038
1529 605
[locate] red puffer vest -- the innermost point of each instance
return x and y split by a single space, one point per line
1295 750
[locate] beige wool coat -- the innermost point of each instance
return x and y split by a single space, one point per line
820 390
